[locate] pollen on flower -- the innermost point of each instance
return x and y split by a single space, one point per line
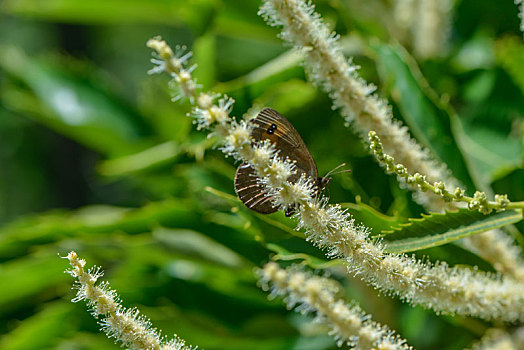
218 114
340 311
106 303
369 335
408 272
161 47
205 100
278 172
298 192
354 322
262 155
309 217
187 85
280 277
313 288
239 135
296 281
269 270
387 345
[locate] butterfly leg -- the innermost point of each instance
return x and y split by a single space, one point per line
291 210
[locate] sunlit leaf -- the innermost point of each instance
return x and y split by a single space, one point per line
438 229
28 277
70 105
192 12
48 326
429 119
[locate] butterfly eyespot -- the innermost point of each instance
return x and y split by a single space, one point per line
270 131
273 126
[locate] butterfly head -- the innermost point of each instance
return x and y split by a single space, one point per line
323 182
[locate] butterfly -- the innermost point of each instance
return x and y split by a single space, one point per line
271 125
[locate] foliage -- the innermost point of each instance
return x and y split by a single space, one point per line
96 158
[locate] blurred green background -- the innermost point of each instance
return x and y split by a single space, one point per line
95 157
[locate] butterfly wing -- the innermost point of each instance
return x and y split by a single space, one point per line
250 192
286 139
271 125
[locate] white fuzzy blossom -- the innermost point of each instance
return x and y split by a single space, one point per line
437 286
426 22
303 28
432 27
520 4
348 323
404 13
125 325
499 339
326 65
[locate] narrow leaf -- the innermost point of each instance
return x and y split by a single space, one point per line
71 105
438 229
193 13
429 119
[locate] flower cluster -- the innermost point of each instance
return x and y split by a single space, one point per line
328 67
520 4
501 339
479 201
304 29
273 172
125 325
444 289
309 293
424 23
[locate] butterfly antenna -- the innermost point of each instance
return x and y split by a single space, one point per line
333 172
341 171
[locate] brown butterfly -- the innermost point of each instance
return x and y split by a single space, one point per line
271 125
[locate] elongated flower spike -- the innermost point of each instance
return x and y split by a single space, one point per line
125 325
500 339
479 201
437 286
348 323
520 4
327 67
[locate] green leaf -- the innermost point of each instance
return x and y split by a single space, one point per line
48 326
437 229
492 123
28 277
70 105
279 82
369 217
239 19
49 227
493 151
510 55
145 160
204 52
312 261
199 245
281 68
428 118
194 13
